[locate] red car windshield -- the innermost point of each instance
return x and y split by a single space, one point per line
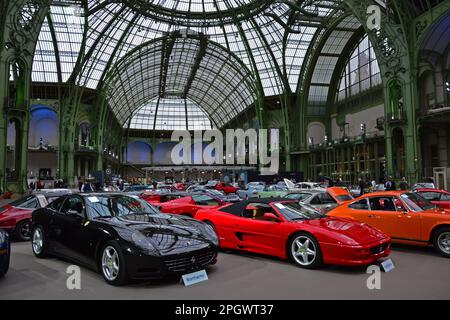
295 211
29 202
416 202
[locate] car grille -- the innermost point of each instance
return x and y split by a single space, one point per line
379 249
190 261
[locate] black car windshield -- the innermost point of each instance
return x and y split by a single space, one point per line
117 206
295 211
416 202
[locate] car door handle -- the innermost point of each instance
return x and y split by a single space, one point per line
372 216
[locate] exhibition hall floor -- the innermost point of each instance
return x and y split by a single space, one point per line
419 274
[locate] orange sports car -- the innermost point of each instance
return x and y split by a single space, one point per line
405 216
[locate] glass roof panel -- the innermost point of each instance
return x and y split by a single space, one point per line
170 114
184 67
198 12
268 37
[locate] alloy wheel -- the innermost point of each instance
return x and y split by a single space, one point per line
38 241
110 263
444 242
304 251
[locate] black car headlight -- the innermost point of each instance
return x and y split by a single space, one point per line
141 241
211 234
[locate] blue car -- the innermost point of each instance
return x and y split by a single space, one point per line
5 251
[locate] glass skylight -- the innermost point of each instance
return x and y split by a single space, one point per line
170 114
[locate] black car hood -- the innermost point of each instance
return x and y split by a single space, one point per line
165 232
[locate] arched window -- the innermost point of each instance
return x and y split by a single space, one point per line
361 72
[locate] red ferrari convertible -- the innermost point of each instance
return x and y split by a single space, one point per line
188 206
287 229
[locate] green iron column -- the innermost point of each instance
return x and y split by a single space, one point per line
4 79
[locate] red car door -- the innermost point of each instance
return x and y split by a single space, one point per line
257 234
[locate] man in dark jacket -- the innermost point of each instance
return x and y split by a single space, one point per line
390 185
362 187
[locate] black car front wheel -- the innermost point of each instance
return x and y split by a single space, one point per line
23 230
112 264
38 242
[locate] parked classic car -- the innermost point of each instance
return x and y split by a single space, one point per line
15 217
322 200
438 197
286 229
405 216
122 237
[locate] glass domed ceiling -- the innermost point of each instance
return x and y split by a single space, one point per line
198 12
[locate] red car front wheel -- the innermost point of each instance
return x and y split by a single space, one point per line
305 251
23 230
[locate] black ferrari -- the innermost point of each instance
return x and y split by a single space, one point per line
122 237
5 252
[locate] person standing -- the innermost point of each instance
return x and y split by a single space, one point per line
390 185
362 187
87 187
404 186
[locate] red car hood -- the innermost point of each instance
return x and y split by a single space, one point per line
349 232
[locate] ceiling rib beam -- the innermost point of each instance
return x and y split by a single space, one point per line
198 60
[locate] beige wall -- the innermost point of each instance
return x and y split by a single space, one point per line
368 116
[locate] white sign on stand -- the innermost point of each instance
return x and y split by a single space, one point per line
193 278
388 265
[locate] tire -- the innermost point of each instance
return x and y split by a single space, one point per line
441 241
111 264
300 256
39 243
22 231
